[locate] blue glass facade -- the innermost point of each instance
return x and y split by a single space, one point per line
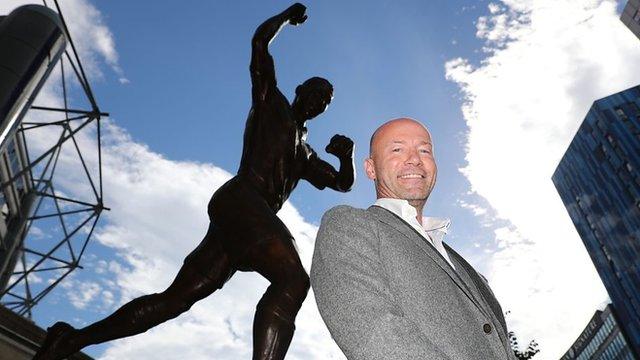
601 340
599 183
631 16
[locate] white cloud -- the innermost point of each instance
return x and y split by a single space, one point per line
547 61
475 208
494 8
94 40
82 293
507 237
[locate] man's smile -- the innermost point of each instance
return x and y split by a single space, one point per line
411 176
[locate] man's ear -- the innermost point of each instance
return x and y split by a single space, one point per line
369 168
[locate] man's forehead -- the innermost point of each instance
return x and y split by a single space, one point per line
394 128
402 131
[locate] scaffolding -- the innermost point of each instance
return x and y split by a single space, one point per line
53 216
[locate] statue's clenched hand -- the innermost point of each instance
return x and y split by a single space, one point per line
296 14
340 146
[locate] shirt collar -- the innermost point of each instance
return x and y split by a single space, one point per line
407 212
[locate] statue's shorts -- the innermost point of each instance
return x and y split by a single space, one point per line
244 234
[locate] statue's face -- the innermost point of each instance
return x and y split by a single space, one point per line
402 162
313 100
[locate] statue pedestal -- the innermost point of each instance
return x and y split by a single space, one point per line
20 338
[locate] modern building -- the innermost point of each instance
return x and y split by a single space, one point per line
631 16
598 180
601 339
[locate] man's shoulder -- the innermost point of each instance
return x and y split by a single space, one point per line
344 221
344 209
346 228
344 213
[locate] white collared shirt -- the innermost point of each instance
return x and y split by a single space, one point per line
432 230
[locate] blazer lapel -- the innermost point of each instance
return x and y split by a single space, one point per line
405 229
484 290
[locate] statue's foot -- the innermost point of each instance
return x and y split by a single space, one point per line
56 345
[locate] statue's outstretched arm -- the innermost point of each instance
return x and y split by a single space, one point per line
263 75
321 174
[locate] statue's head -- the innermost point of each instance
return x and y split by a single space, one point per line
312 97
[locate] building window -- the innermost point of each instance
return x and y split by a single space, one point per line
601 125
610 139
621 114
629 167
600 153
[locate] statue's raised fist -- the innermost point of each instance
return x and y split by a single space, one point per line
340 146
297 14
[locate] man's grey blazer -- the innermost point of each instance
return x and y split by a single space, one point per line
385 293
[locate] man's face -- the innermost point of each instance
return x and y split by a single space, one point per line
401 162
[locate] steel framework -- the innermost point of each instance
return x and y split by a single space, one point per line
53 227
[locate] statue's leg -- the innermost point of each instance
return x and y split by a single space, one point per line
193 282
277 260
259 241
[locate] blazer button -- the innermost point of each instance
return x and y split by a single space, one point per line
486 328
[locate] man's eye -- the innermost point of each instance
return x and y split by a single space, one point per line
395 149
425 151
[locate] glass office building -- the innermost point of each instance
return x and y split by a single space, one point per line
599 183
601 339
631 16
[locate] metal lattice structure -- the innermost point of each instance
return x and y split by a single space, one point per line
57 214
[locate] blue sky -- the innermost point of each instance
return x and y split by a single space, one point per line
192 102
502 86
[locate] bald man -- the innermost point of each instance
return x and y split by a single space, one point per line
386 284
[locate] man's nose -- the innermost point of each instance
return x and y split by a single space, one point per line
413 157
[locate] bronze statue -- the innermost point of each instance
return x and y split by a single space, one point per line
244 232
